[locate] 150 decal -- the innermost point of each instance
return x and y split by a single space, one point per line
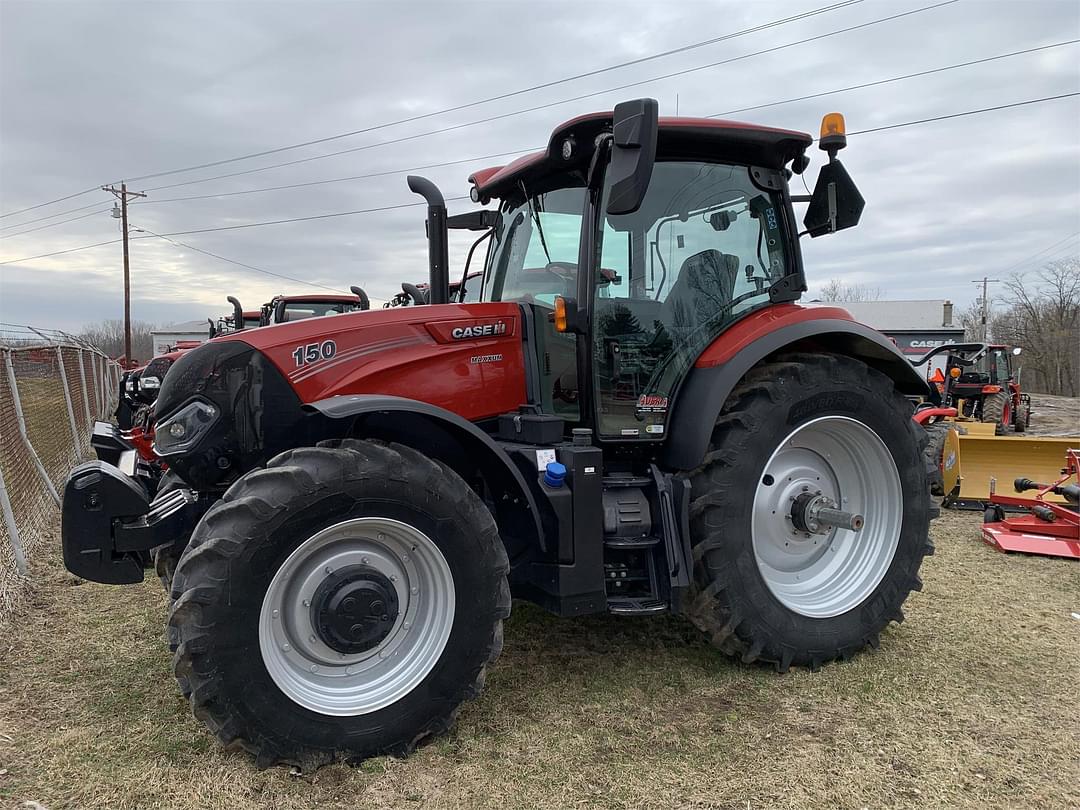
314 352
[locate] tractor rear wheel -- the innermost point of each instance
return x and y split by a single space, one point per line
1022 420
997 410
340 604
773 582
935 449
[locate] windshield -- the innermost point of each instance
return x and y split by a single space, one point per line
535 249
298 310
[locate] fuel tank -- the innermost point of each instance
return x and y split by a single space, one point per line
466 358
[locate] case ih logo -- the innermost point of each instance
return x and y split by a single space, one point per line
478 330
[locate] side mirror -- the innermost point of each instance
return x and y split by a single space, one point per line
1017 351
836 202
633 153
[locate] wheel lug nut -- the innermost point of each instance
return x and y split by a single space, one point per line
286 647
314 668
275 614
329 570
364 560
307 603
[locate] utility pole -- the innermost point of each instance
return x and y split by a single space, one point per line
985 303
122 194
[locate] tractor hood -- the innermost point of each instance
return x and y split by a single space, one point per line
466 358
239 399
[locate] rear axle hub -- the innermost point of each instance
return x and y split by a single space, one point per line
814 513
354 609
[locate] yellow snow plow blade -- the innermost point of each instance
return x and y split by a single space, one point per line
983 456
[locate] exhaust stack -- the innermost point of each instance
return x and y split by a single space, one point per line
238 313
438 250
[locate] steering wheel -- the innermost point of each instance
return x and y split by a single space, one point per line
414 292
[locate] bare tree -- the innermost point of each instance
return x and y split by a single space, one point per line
837 291
1043 318
109 337
971 319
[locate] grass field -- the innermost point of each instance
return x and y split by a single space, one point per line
970 703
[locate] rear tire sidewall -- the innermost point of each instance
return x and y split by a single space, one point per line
743 578
235 641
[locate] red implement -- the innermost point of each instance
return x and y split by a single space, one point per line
1047 528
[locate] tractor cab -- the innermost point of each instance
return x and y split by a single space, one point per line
633 241
286 308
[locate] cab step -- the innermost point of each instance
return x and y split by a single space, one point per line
628 606
631 542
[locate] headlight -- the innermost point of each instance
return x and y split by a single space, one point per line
181 431
149 383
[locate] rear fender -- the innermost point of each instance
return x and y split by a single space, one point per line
708 384
442 435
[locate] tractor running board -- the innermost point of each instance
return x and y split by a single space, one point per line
631 542
624 606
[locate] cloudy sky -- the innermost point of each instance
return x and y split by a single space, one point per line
95 92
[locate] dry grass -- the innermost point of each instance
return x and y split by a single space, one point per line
970 703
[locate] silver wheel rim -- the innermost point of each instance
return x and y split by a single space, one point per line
827 574
318 677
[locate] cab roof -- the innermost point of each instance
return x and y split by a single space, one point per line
737 141
317 298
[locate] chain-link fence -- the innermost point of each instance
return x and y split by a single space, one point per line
52 388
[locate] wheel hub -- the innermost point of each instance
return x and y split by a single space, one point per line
827 516
354 609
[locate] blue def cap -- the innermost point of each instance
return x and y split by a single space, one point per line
554 474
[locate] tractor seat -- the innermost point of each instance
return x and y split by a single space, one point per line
706 282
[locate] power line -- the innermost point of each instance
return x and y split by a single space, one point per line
238 263
1030 259
50 216
305 219
50 202
895 78
337 179
510 94
61 252
455 199
54 224
538 107
965 113
518 151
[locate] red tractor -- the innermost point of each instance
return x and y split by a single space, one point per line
980 383
637 417
285 308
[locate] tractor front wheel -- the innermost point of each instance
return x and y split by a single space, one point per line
997 410
818 558
340 604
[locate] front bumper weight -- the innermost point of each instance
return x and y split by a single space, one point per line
107 520
108 443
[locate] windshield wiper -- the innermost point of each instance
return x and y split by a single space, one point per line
536 219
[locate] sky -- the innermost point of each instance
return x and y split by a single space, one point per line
99 92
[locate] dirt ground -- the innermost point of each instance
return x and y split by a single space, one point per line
971 702
1055 416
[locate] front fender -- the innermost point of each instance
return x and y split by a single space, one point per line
443 435
708 384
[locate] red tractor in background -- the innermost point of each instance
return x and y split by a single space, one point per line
636 417
979 381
